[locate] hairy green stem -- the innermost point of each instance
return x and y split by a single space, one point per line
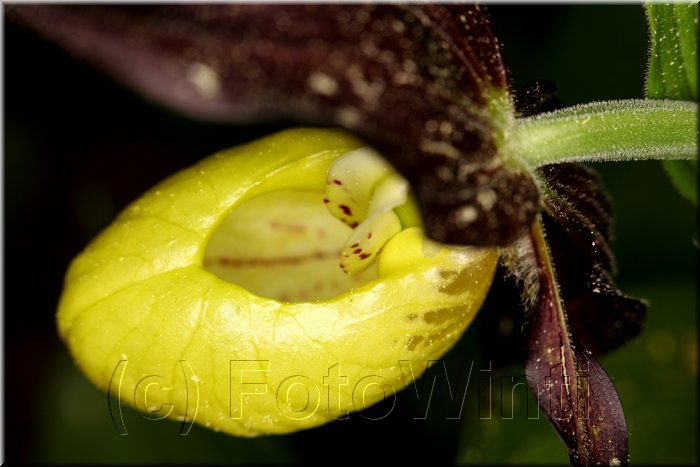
622 130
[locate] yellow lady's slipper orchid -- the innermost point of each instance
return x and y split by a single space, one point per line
218 297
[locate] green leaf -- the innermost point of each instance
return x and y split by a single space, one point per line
684 175
673 68
673 73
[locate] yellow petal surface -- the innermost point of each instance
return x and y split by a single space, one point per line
145 320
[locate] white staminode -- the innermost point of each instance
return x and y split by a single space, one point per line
362 191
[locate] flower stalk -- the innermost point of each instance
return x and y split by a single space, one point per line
622 130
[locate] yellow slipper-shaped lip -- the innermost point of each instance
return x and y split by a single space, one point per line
147 321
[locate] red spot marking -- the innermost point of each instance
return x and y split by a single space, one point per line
337 182
369 235
365 255
353 224
346 210
326 200
354 245
358 251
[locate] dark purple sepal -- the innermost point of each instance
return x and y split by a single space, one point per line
579 232
418 82
570 386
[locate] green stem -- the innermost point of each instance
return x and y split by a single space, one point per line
610 131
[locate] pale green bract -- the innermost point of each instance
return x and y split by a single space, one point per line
218 297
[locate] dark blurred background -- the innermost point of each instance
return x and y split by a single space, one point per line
78 147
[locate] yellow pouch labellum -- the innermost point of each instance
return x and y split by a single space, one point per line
217 296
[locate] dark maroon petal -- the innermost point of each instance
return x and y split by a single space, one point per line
571 387
416 81
579 231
